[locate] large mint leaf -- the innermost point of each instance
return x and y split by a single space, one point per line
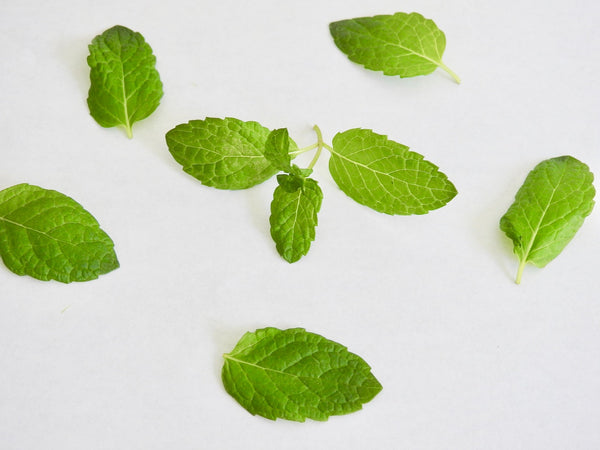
223 153
401 44
49 236
125 86
293 374
385 176
549 208
296 202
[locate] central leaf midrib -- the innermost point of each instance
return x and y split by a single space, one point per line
544 212
268 369
356 163
17 224
437 63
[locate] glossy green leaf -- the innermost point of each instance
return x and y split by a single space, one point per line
296 202
223 153
385 176
400 44
549 208
125 86
49 236
293 374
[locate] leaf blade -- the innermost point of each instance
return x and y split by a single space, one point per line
385 176
294 375
125 85
49 236
293 219
401 44
548 210
223 153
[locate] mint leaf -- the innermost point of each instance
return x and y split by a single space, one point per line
223 153
277 149
49 236
401 44
293 374
125 86
549 208
385 176
296 202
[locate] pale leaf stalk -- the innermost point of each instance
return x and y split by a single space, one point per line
319 144
522 264
304 149
450 72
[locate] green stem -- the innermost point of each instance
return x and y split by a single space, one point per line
452 74
128 129
304 149
319 145
520 271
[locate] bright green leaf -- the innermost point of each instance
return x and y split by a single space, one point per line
223 153
49 236
385 175
277 149
296 202
125 86
549 208
401 44
293 374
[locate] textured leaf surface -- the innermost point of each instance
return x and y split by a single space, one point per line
548 210
293 374
125 86
296 202
385 176
49 236
400 44
223 153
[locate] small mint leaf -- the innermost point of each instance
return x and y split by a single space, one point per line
277 149
401 44
125 86
296 202
549 208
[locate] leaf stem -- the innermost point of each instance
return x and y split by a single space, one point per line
305 149
128 129
452 74
319 145
520 271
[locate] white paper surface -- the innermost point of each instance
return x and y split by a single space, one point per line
467 359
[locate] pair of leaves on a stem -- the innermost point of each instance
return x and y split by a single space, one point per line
549 208
293 374
50 236
371 169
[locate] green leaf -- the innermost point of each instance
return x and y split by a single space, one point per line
277 149
296 202
385 175
49 236
293 374
549 208
125 86
223 153
401 44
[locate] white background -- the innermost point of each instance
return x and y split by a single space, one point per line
467 359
